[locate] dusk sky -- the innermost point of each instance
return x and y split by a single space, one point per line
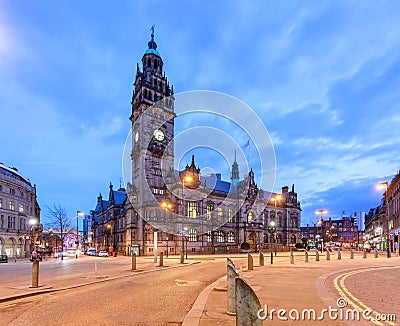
323 76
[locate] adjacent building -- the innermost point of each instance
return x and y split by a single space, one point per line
19 212
176 211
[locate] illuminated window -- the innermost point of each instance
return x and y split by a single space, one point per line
192 235
210 208
193 209
219 214
220 236
12 205
209 236
231 237
1 202
21 208
230 215
250 216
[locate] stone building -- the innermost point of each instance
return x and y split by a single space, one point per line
393 195
184 210
19 212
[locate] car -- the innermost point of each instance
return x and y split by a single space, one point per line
91 252
102 253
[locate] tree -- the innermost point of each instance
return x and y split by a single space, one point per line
58 219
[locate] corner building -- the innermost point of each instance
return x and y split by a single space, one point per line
160 199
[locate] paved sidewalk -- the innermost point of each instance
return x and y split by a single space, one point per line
286 286
57 274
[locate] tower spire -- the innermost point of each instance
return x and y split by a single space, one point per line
235 172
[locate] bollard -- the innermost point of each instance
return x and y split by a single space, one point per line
261 259
306 256
376 253
231 275
272 258
291 256
161 259
96 271
351 254
339 254
249 262
317 255
35 273
365 253
328 255
247 305
134 262
182 257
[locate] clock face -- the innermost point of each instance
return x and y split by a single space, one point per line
159 135
137 136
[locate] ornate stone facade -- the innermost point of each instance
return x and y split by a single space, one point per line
18 209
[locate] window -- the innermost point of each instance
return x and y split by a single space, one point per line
210 208
21 208
157 171
250 217
265 218
230 215
278 238
265 238
193 209
209 236
219 214
1 188
192 235
279 222
12 205
1 202
1 221
12 192
11 222
220 236
231 237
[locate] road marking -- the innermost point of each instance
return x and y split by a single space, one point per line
339 284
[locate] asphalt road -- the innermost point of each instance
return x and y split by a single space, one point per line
158 298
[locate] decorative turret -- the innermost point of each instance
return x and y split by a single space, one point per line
235 172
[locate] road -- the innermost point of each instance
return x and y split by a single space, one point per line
155 298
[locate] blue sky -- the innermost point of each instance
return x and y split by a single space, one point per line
322 75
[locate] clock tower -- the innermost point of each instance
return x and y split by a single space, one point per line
152 127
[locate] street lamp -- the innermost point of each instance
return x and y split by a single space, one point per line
78 213
275 199
272 230
384 185
109 227
321 212
188 179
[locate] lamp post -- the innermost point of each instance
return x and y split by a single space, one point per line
78 213
275 199
321 212
272 230
188 179
109 227
167 244
384 185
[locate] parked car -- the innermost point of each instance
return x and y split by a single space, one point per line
91 252
102 253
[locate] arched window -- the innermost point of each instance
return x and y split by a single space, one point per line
279 221
220 236
231 237
250 216
192 235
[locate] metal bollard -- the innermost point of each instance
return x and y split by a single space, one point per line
339 255
161 264
291 256
328 255
250 262
231 275
134 262
365 253
376 253
306 256
247 305
351 254
35 274
272 258
261 259
182 257
317 255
